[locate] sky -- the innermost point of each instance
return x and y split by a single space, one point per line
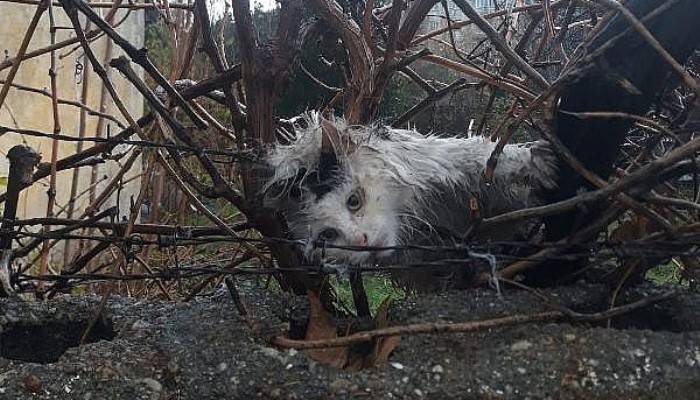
217 6
266 4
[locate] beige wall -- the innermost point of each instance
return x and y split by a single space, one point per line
33 111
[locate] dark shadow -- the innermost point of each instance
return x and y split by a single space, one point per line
45 342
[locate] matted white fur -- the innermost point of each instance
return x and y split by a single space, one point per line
413 187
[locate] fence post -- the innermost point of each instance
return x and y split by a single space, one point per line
23 159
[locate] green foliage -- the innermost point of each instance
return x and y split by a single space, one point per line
264 23
157 41
668 273
303 93
377 287
399 96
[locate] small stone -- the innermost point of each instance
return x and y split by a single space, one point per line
140 325
437 369
397 365
222 367
270 352
521 345
509 390
106 373
521 371
339 385
569 337
173 367
418 392
276 392
32 383
152 384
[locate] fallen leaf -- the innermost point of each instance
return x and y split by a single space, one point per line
380 317
634 228
322 326
384 345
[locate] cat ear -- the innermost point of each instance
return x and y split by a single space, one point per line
335 140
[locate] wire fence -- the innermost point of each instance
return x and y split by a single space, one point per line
203 170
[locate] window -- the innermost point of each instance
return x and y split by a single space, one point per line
482 4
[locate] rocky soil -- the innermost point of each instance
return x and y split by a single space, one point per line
204 350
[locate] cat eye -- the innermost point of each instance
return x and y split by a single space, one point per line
354 201
328 235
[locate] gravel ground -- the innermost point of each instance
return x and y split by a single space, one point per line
204 350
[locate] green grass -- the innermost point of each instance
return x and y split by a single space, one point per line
378 288
668 273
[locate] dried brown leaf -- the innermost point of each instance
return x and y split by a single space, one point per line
380 317
634 228
382 346
385 346
322 326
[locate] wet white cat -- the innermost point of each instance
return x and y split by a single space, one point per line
376 186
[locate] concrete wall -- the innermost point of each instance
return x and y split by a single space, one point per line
33 111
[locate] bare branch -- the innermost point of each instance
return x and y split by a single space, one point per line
501 44
22 49
139 56
361 62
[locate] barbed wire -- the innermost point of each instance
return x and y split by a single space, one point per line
688 245
198 270
249 155
636 245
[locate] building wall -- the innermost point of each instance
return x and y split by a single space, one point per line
466 37
33 111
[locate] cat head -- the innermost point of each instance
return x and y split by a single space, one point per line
335 191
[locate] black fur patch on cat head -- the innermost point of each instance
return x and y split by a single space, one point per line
321 181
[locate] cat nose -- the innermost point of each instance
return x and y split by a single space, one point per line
362 240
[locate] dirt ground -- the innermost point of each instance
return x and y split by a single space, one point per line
204 350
